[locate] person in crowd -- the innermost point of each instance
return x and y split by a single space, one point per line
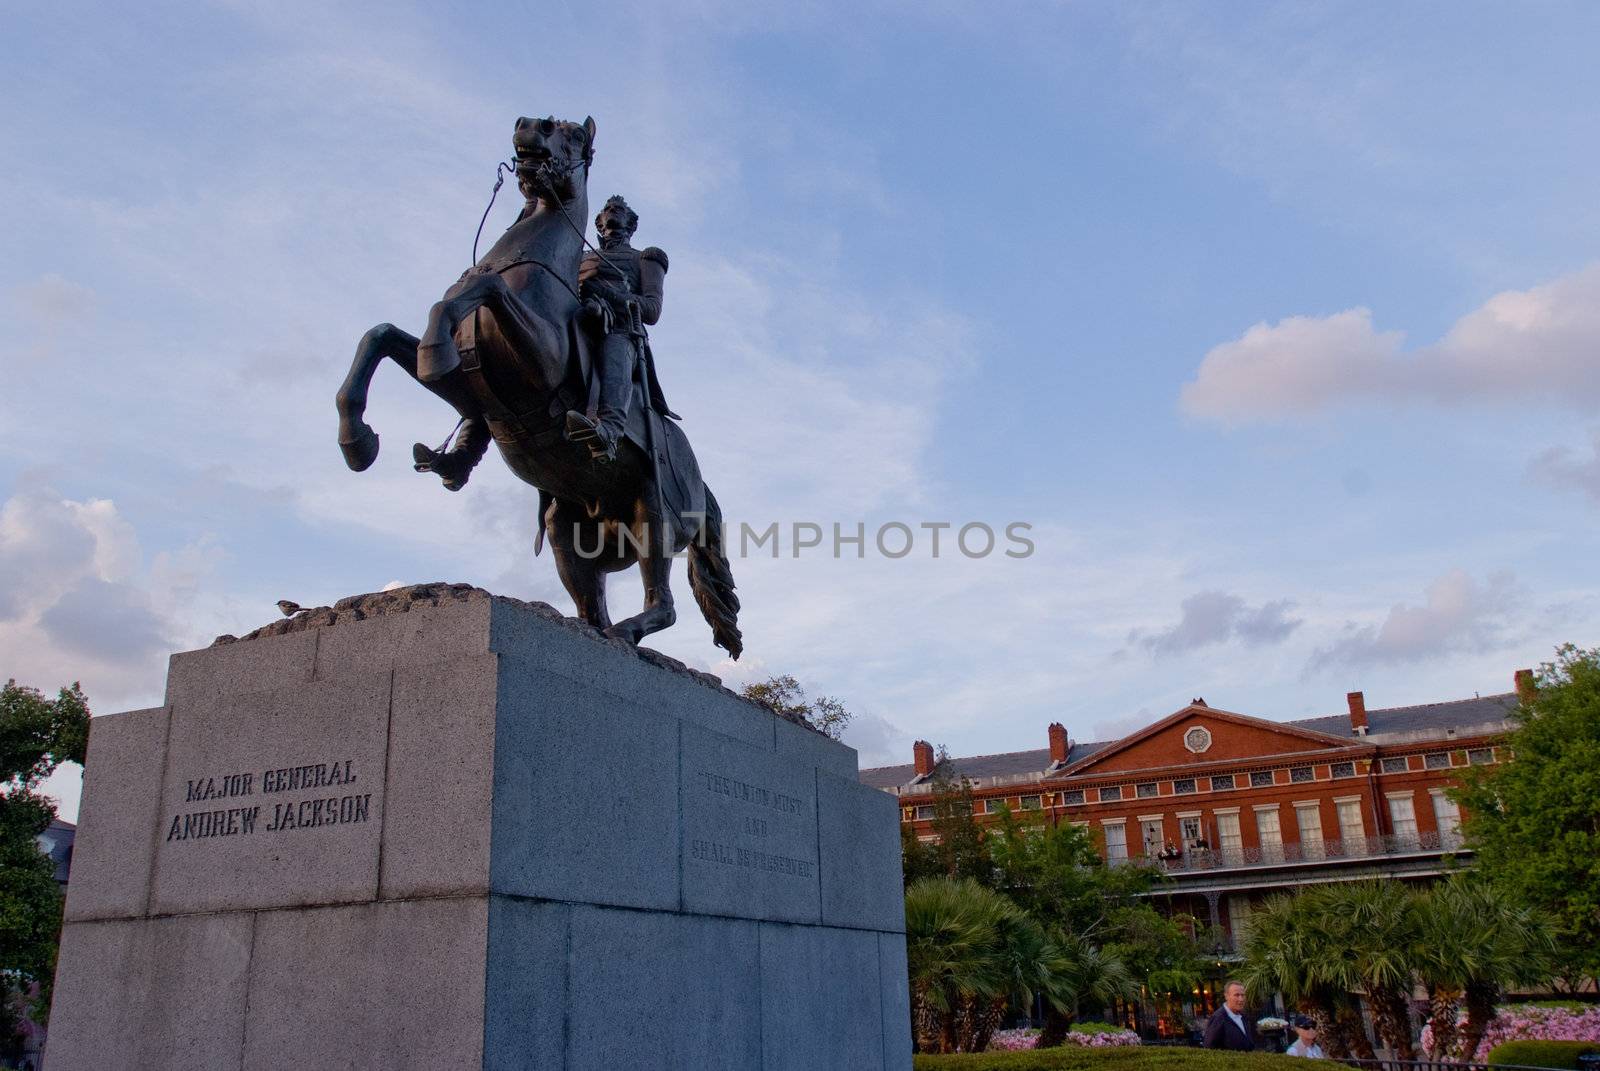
1231 1027
1307 1045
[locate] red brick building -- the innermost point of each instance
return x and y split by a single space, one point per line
1235 807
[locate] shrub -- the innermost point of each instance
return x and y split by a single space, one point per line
1014 1040
1092 1027
1525 1022
1541 1053
1142 1059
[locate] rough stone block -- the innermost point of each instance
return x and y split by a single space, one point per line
821 999
417 638
118 815
151 993
586 788
525 1007
859 830
436 832
689 985
234 668
368 987
896 980
749 831
246 818
799 744
614 668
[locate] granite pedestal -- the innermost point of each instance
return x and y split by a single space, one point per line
437 829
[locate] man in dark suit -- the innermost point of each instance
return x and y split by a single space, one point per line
1229 1027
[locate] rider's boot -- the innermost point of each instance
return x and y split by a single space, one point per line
454 465
597 435
616 390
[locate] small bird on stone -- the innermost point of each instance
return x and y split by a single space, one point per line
289 608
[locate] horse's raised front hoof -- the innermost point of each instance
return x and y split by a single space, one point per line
361 449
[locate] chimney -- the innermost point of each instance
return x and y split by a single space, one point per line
1358 712
1059 743
1526 689
922 755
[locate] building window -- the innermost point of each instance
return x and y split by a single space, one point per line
1030 803
924 813
1150 835
1352 832
1197 739
1309 818
1221 781
1261 779
1229 841
1344 769
1395 765
1480 756
1116 840
1073 797
1183 787
1448 817
1190 828
1403 816
993 806
1436 760
1111 792
1300 774
1270 833
1146 790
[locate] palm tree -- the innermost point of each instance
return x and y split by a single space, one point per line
1475 940
1371 934
948 952
1291 943
1080 974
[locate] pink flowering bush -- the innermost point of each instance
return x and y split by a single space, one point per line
1014 1040
1082 1035
1100 1036
1529 1022
1525 1022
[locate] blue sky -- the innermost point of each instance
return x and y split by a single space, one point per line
1279 324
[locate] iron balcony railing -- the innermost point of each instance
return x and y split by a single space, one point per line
1207 858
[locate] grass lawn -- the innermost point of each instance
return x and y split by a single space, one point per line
1133 1058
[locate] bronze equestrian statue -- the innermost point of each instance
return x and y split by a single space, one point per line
544 351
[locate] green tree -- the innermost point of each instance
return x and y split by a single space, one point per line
958 849
1284 951
1475 940
972 952
1535 821
36 735
787 698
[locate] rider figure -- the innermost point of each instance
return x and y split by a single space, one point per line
621 288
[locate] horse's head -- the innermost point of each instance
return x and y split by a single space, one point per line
553 157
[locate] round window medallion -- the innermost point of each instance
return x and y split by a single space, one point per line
1197 739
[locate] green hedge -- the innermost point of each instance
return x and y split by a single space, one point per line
1132 1058
1541 1053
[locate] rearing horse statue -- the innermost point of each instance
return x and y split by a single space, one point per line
506 350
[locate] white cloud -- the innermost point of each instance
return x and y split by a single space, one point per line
1212 617
1457 615
1539 343
1561 466
77 603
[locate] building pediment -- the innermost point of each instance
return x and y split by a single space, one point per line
1201 734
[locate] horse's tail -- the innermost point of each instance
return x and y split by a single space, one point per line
712 580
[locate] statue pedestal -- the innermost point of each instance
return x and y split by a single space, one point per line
436 829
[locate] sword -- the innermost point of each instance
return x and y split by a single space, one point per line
642 381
